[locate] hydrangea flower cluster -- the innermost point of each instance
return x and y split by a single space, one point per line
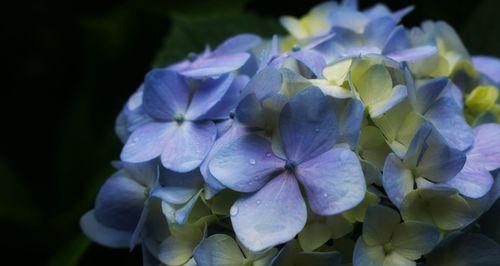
351 140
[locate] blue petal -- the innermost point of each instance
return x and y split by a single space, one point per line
307 125
187 147
485 152
489 66
398 40
223 108
120 202
237 44
265 83
377 31
216 66
428 92
413 54
147 142
349 116
449 120
397 179
471 181
440 163
333 181
166 94
102 234
312 60
273 215
245 164
208 95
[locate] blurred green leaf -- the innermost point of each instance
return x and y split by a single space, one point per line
190 33
70 255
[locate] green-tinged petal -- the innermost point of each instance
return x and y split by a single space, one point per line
218 250
222 202
286 256
292 82
346 248
460 249
357 214
481 99
365 255
371 172
396 259
442 207
265 258
413 239
372 146
379 224
318 258
337 72
313 236
339 226
375 85
175 251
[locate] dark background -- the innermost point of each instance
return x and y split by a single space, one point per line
68 69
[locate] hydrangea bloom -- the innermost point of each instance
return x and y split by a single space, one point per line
273 151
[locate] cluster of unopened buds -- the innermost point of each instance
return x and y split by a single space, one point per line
351 140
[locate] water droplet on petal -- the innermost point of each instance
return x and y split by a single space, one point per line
268 155
258 202
316 130
252 162
325 195
234 210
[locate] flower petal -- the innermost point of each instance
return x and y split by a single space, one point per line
147 142
379 224
237 44
271 216
102 234
188 145
485 151
313 236
208 95
471 181
413 54
120 202
396 259
311 59
216 66
307 125
333 181
489 66
414 239
165 94
245 164
218 250
397 179
365 255
447 117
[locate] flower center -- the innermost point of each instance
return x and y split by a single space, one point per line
191 57
296 48
179 118
290 166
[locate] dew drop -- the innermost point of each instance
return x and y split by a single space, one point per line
234 210
316 130
268 155
258 202
252 162
325 195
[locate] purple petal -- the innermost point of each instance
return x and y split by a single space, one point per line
250 111
333 181
208 95
265 83
398 40
440 163
312 60
377 31
165 94
349 116
147 142
216 66
413 54
102 234
245 164
229 101
397 179
489 66
307 125
472 182
449 120
120 202
428 92
485 152
237 44
186 148
271 216
232 134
